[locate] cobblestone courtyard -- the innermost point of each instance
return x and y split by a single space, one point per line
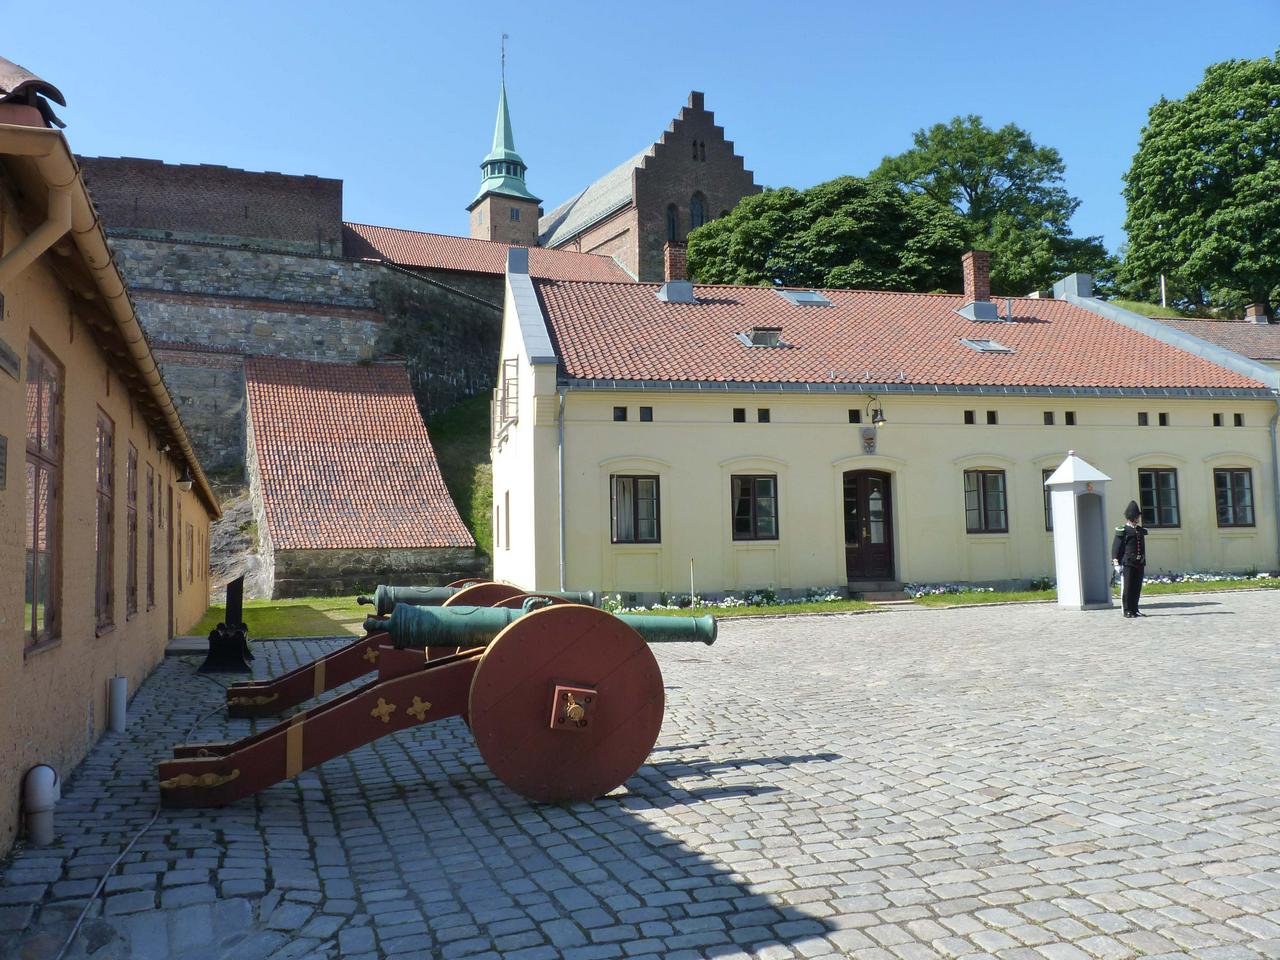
1014 782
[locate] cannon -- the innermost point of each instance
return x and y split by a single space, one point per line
565 702
385 597
264 698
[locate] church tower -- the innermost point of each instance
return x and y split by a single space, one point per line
504 210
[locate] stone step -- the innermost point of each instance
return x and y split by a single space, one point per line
884 596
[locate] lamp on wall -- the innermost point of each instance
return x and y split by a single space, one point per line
184 481
874 413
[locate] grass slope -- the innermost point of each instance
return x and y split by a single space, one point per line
460 436
304 617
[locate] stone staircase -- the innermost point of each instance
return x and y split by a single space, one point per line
878 591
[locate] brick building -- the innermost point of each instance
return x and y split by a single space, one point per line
688 176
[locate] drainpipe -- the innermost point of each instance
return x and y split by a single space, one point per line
560 458
56 225
1275 477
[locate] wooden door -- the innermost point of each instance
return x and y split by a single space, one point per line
868 526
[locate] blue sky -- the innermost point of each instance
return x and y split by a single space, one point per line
398 99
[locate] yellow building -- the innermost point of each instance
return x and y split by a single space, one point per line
752 437
104 510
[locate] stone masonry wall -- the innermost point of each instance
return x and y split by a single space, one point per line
209 391
300 573
205 201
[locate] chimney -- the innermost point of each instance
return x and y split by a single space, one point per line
976 266
1257 313
673 260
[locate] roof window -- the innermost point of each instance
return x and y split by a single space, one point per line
985 346
762 337
804 298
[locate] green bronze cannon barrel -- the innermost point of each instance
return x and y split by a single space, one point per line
421 627
385 597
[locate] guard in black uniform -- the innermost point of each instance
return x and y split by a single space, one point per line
1129 553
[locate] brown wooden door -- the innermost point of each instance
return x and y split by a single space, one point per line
868 526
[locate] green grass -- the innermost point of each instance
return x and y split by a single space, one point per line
773 610
304 617
1147 309
460 436
975 597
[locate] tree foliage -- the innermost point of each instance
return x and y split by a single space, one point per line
1203 191
1009 191
848 232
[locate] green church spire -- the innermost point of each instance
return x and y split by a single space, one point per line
504 169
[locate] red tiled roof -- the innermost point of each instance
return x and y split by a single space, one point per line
622 331
409 248
344 458
1258 341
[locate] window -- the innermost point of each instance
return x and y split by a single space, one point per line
762 415
151 538
619 414
646 414
633 509
515 214
673 223
702 151
1238 419
992 417
695 149
506 530
697 211
175 530
1048 509
1158 497
1048 418
191 570
1233 491
1164 419
1217 419
104 546
855 416
1070 417
755 508
41 619
739 414
983 345
984 502
1142 419
968 416
497 525
131 532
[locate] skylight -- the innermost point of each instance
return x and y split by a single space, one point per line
804 298
762 337
985 346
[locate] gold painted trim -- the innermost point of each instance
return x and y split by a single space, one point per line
419 709
318 686
372 654
211 779
293 745
383 710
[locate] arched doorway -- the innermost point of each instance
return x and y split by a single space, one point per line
868 525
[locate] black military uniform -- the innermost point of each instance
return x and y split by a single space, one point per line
1129 549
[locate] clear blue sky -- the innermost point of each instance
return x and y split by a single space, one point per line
398 99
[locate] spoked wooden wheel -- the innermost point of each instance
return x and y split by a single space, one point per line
566 704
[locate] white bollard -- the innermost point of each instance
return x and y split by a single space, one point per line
118 701
41 789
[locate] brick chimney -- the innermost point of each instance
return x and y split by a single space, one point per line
673 260
1256 313
976 266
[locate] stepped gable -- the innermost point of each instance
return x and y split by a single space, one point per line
1257 341
624 332
436 251
344 460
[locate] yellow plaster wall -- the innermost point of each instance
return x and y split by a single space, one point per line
693 447
53 701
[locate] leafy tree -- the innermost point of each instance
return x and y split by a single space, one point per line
848 232
1009 191
1203 192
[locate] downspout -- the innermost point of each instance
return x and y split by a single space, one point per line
56 225
560 465
1275 477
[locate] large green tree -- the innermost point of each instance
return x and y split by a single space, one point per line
848 232
1203 192
1009 191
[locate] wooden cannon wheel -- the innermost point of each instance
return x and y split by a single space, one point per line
482 594
518 600
566 703
466 582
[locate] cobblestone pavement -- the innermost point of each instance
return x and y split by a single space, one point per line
1015 782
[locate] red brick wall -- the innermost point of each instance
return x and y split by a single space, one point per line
302 212
976 267
491 220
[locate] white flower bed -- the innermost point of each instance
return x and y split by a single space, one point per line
757 598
